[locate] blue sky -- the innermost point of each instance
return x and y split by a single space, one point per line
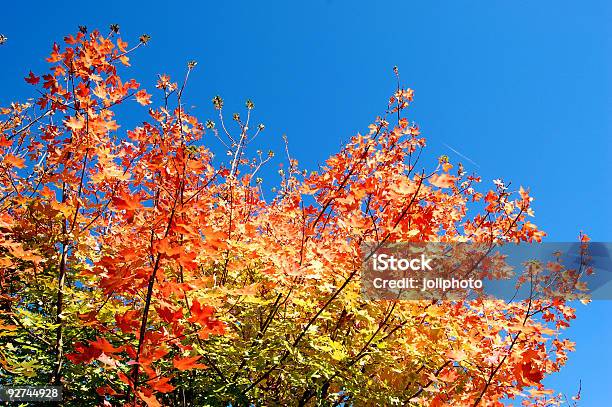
522 88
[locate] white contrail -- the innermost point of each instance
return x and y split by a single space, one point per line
461 155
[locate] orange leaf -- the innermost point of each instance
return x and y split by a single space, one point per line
200 313
456 355
162 385
14 161
124 60
150 400
187 363
143 97
74 123
128 202
122 45
442 181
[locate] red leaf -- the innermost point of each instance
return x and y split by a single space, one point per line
32 79
127 202
104 346
4 142
83 354
200 313
128 321
162 385
82 91
168 315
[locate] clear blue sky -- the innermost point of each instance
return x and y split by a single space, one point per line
522 88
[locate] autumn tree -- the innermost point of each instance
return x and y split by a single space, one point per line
135 267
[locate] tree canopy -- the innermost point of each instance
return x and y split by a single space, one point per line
137 267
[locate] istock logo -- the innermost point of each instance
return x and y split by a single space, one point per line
385 262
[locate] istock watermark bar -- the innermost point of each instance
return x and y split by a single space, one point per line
510 271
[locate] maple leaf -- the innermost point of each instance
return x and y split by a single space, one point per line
162 385
456 355
100 91
106 390
164 247
4 142
83 353
187 363
169 315
143 97
82 91
491 197
200 313
128 321
32 79
55 56
14 161
88 317
107 360
104 346
70 40
47 192
122 45
442 181
149 399
125 60
529 373
75 123
129 202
